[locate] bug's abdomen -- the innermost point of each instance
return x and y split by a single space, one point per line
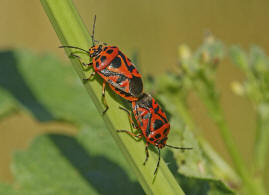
151 120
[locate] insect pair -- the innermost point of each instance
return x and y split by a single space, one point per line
117 70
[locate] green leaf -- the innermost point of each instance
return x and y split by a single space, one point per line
193 169
7 104
61 164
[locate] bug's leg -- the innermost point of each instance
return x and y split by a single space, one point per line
86 65
130 133
104 98
74 55
90 77
130 117
158 163
133 124
147 153
82 63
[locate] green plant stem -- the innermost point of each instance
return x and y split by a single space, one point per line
251 185
71 31
261 144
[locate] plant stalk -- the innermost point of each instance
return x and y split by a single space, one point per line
261 143
251 185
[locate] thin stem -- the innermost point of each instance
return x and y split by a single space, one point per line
253 186
261 143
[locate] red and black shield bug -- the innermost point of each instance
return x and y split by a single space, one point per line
153 123
115 68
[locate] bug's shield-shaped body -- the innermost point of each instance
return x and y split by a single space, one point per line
151 120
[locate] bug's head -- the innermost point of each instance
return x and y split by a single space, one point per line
160 144
95 50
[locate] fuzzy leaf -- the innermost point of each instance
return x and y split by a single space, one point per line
61 164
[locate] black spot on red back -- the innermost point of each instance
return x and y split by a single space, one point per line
97 64
157 136
103 58
110 51
165 131
116 62
157 124
151 139
156 109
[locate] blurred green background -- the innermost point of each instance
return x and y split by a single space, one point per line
154 30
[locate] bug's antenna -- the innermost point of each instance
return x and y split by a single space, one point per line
180 148
158 163
159 152
68 46
93 28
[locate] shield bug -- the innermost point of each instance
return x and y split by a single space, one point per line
115 68
152 122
